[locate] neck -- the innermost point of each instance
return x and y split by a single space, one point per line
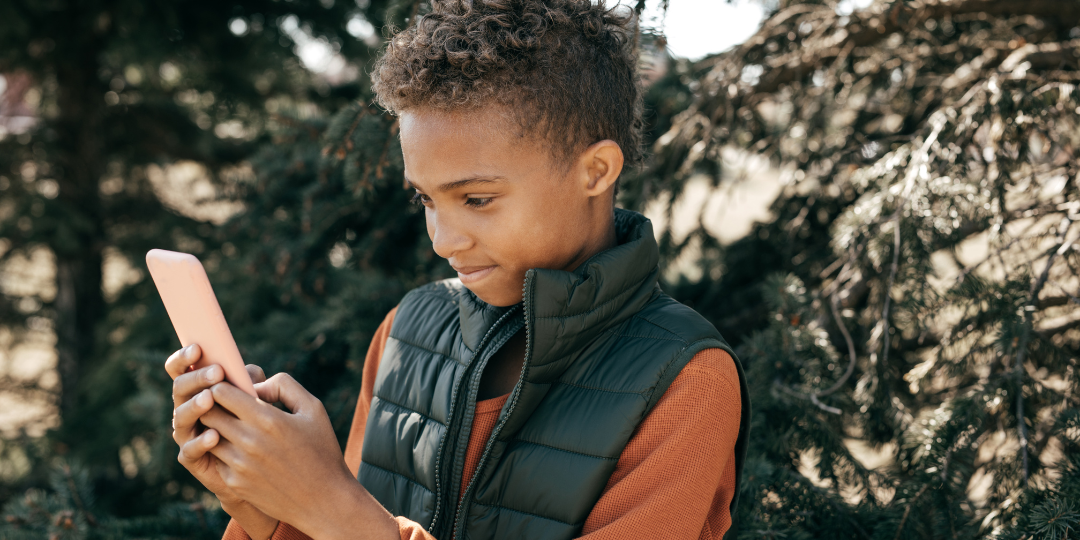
604 238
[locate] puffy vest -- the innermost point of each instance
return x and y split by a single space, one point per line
603 343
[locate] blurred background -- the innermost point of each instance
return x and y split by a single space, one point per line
873 200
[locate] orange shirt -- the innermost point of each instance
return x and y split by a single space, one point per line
675 478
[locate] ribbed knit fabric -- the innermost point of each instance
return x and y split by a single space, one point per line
674 480
484 420
284 531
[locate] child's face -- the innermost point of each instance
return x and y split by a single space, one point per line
497 205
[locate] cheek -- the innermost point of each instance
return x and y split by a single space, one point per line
530 240
429 221
504 237
558 213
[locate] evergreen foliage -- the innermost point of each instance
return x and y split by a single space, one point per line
124 90
911 132
67 511
920 289
120 87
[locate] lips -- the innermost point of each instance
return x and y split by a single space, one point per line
472 274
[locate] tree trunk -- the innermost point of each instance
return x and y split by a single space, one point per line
79 240
79 309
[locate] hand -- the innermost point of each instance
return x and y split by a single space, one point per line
191 400
289 464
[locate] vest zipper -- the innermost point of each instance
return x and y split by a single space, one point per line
513 403
450 414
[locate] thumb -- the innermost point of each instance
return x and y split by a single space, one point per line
283 388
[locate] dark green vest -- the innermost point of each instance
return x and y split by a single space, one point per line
603 343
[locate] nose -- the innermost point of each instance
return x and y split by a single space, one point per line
448 237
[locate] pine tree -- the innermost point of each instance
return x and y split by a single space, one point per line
121 86
913 134
122 90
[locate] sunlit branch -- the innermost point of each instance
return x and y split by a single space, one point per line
1025 336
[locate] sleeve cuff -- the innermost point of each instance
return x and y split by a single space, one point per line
408 529
411 530
283 531
235 532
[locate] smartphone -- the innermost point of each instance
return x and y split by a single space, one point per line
195 313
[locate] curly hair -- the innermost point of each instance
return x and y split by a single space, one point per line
565 69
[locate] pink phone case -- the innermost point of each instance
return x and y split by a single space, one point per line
196 316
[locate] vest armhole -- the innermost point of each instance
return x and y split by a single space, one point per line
672 370
675 366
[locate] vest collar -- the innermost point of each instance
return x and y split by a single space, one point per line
567 310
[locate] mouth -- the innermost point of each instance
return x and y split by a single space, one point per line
472 274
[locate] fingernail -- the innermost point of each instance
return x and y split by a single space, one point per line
213 373
187 351
203 399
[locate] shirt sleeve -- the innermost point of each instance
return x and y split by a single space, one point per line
676 477
235 532
355 443
409 530
284 531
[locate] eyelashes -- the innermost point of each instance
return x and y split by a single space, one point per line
420 199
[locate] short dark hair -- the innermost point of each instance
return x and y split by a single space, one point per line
566 69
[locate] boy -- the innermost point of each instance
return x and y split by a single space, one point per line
552 390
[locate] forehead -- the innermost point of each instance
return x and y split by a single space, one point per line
440 146
487 121
489 126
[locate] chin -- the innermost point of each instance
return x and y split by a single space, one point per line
498 298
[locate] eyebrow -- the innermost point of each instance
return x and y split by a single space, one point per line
456 184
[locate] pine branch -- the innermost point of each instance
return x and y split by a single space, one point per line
907 511
888 290
829 497
851 351
900 17
1025 336
75 495
814 397
345 144
844 274
997 253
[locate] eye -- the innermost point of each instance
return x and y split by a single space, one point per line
420 199
478 202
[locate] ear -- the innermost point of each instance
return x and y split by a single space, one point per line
600 166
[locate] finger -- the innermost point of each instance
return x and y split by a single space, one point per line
230 427
227 453
187 385
187 414
283 388
256 373
172 363
225 470
237 401
196 448
179 362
